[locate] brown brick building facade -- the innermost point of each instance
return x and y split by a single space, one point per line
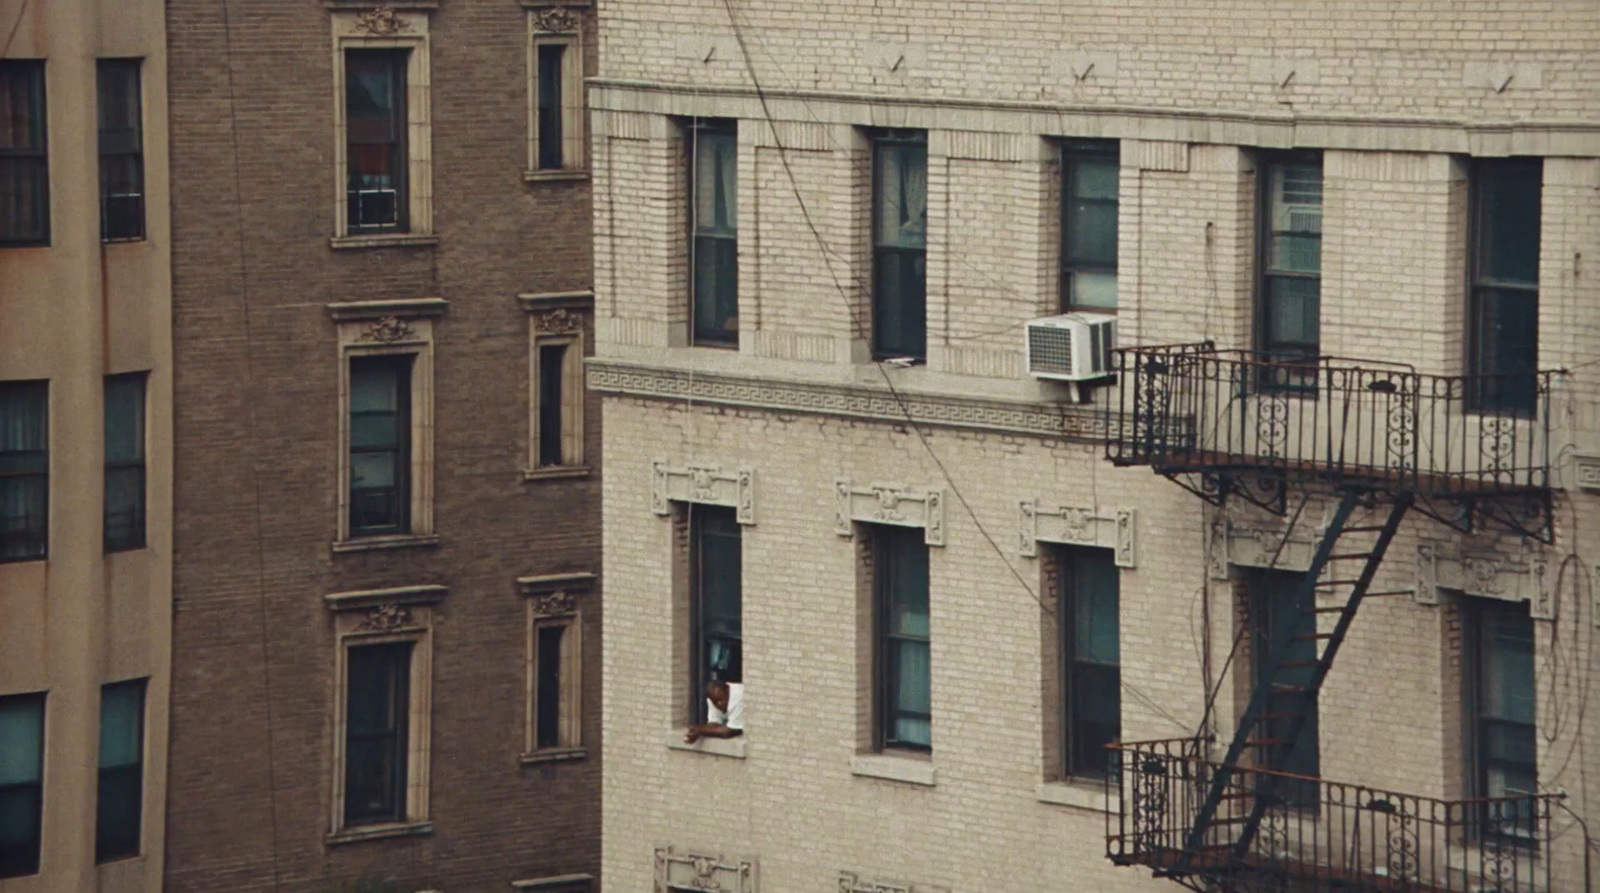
424 230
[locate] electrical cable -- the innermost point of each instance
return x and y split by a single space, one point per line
859 328
22 10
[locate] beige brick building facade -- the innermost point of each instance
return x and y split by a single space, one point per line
810 448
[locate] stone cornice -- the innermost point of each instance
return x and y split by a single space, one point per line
1071 422
1285 129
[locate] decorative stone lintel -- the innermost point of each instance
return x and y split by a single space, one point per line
555 595
555 20
406 308
1259 546
1079 422
1586 472
1115 529
898 504
693 870
704 485
850 882
1523 576
423 594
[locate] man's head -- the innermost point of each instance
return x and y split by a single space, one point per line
717 694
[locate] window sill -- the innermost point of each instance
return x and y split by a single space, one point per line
380 832
383 240
563 883
892 767
733 748
554 755
564 175
1083 794
385 543
556 472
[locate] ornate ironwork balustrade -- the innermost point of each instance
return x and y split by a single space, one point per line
1318 835
1472 448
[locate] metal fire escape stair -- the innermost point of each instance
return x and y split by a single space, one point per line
1269 696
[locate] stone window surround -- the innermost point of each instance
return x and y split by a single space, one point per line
697 869
378 328
558 318
372 617
1053 786
696 483
401 26
871 759
558 23
555 599
895 504
1115 529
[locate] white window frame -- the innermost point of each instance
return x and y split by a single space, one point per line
376 617
554 25
390 328
375 29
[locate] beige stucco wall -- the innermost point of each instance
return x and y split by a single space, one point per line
1398 98
74 312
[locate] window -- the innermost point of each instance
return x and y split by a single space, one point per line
1502 741
552 385
24 163
899 244
121 792
121 151
555 372
376 707
716 596
21 783
1289 286
1503 267
1275 601
555 666
380 444
900 590
1090 172
555 92
1091 670
125 482
714 232
24 470
375 140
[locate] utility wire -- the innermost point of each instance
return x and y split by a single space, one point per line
905 411
22 10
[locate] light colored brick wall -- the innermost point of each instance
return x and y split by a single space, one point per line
993 83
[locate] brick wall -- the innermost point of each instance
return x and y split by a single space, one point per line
257 422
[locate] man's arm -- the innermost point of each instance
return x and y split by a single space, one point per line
710 730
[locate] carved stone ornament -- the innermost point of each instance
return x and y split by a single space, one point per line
889 504
1504 568
559 321
702 871
705 485
556 20
388 330
382 21
555 604
1078 526
850 882
386 617
1259 542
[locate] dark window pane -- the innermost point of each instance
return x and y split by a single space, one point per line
1276 601
1503 740
125 471
375 139
121 150
900 581
1090 184
24 165
21 775
1092 687
550 89
900 228
380 444
120 795
713 227
547 727
24 470
552 375
716 575
1504 332
1289 295
1508 242
376 717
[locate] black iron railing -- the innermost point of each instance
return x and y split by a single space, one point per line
1194 409
1347 837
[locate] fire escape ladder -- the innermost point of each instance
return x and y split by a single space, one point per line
1267 696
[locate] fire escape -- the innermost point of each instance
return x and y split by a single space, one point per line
1374 437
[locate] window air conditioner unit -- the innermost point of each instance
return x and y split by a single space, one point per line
1071 347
